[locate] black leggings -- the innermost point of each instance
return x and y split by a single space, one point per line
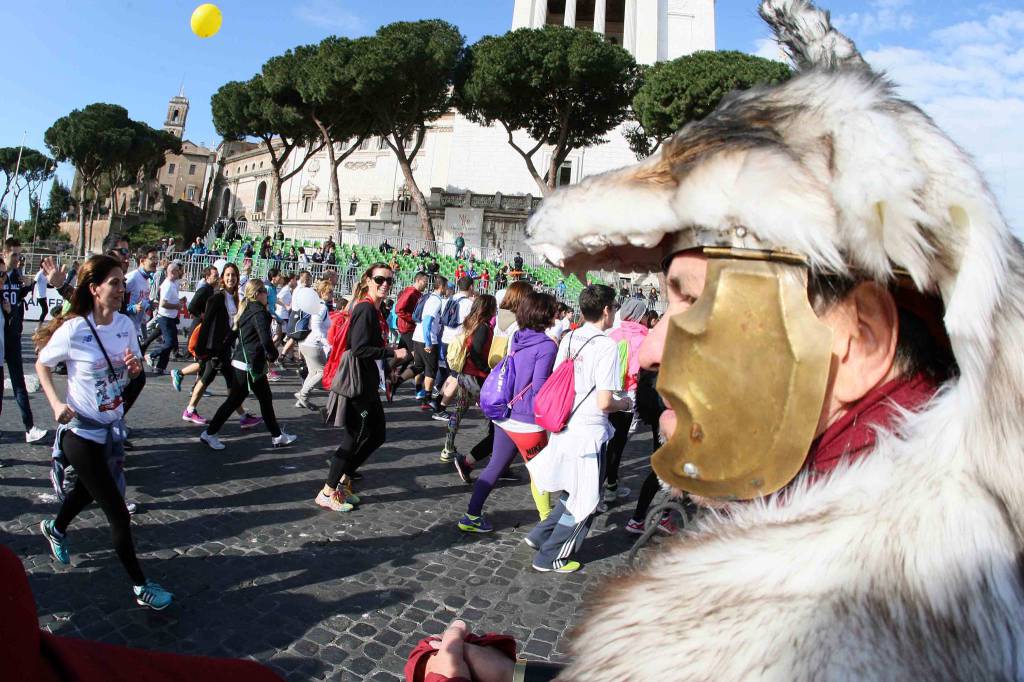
209 368
95 482
236 396
650 488
620 422
364 432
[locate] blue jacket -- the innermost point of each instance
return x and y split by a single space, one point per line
535 356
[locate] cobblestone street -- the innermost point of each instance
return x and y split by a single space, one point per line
260 572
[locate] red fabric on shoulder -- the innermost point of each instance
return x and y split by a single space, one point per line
416 665
19 625
854 433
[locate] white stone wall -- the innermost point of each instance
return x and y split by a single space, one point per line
665 29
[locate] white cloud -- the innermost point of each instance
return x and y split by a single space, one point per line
329 14
972 83
881 16
768 48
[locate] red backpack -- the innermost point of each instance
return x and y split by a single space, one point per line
337 338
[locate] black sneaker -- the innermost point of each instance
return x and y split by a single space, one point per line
441 416
462 468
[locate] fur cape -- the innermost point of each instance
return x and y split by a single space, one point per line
907 564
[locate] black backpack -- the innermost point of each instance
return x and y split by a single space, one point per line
299 325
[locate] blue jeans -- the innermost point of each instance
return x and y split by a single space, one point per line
13 361
169 342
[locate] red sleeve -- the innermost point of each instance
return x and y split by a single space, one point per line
404 309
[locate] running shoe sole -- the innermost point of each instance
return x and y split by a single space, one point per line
462 469
530 543
570 567
467 528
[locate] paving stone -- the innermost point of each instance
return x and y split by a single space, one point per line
261 573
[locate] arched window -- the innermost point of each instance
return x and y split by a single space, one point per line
174 117
261 196
225 204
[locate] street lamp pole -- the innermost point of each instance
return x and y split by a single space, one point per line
17 169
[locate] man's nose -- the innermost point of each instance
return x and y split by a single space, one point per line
653 346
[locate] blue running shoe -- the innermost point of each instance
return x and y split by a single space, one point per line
58 543
153 596
421 395
176 377
474 524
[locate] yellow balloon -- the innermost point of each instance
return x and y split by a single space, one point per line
206 20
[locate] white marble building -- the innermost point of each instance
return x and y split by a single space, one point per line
458 155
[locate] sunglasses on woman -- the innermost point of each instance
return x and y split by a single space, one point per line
381 281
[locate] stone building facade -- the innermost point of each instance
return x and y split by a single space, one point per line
457 156
184 177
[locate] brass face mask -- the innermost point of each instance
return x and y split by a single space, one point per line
746 370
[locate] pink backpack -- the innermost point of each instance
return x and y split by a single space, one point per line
553 404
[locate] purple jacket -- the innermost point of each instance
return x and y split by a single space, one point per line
535 356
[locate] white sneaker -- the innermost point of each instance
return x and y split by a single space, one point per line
212 441
284 439
35 434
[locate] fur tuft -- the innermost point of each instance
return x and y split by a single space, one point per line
808 36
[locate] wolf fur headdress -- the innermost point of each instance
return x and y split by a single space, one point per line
909 563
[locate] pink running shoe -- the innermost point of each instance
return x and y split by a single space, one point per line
273 376
249 421
194 418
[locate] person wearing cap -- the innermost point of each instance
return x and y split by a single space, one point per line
841 361
628 337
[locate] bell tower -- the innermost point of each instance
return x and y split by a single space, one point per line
177 112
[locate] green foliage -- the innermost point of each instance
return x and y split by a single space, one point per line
249 109
33 169
405 74
93 139
146 151
146 234
562 86
60 198
689 88
326 87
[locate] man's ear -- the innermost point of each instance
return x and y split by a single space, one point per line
866 325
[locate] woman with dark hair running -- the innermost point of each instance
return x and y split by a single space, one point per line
99 346
534 358
361 418
250 365
214 342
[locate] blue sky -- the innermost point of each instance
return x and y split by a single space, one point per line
963 61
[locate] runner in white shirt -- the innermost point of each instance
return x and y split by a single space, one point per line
100 348
167 317
137 289
40 293
573 461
